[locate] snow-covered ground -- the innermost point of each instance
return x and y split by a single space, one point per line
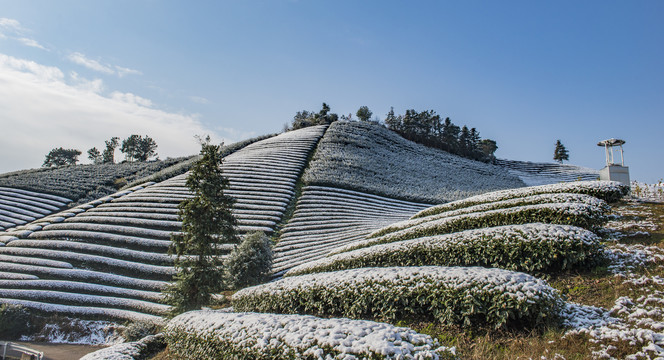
648 192
372 159
326 218
637 319
534 174
18 207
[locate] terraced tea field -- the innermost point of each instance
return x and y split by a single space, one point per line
18 206
326 218
108 257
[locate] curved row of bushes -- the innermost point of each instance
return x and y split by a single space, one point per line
502 204
210 334
533 248
609 191
576 214
449 295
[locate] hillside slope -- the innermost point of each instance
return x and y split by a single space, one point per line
369 158
108 258
534 173
18 206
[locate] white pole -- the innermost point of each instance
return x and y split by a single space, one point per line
622 158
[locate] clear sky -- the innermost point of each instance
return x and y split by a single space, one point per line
524 73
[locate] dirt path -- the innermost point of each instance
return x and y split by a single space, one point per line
61 351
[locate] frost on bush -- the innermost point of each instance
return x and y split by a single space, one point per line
137 330
495 205
450 295
609 191
534 248
250 262
221 335
140 349
576 214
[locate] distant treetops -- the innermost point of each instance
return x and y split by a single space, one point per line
135 148
426 128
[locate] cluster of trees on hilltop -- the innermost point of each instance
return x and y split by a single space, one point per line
306 118
135 148
426 128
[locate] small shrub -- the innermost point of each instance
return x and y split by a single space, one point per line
137 330
14 322
119 183
250 262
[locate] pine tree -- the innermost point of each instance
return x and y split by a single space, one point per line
95 156
392 121
363 113
61 156
560 153
207 222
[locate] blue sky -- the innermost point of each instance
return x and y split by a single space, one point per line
524 73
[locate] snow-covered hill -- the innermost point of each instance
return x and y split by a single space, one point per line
107 258
372 159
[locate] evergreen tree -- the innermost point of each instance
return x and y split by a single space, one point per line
302 119
207 222
138 148
306 118
450 135
488 147
95 156
392 121
560 153
464 141
363 113
61 156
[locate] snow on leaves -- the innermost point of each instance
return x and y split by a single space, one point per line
217 334
451 295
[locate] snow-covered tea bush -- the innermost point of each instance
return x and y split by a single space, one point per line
503 204
250 262
140 349
210 334
18 206
576 214
609 191
450 295
533 248
370 158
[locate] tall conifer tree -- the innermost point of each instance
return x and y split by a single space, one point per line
560 153
207 222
